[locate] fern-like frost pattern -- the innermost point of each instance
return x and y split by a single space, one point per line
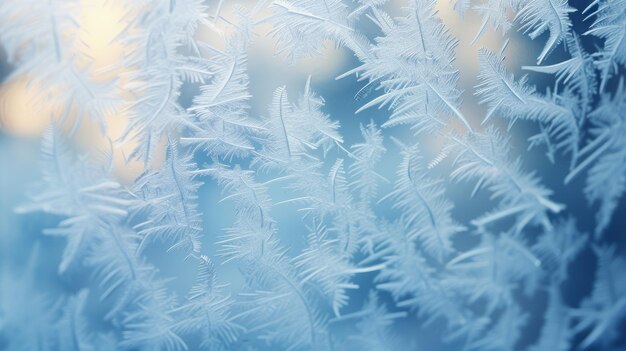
477 241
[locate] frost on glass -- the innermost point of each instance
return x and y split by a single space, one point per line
433 226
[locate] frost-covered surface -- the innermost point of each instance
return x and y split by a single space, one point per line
473 242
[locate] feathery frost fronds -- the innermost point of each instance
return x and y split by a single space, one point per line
222 125
496 14
418 79
605 154
368 154
485 160
300 27
207 310
537 16
575 73
168 196
516 100
425 212
556 333
609 24
605 309
325 247
558 247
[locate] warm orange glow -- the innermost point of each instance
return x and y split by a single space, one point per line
100 23
26 107
22 111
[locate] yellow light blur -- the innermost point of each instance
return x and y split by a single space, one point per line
26 109
22 111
